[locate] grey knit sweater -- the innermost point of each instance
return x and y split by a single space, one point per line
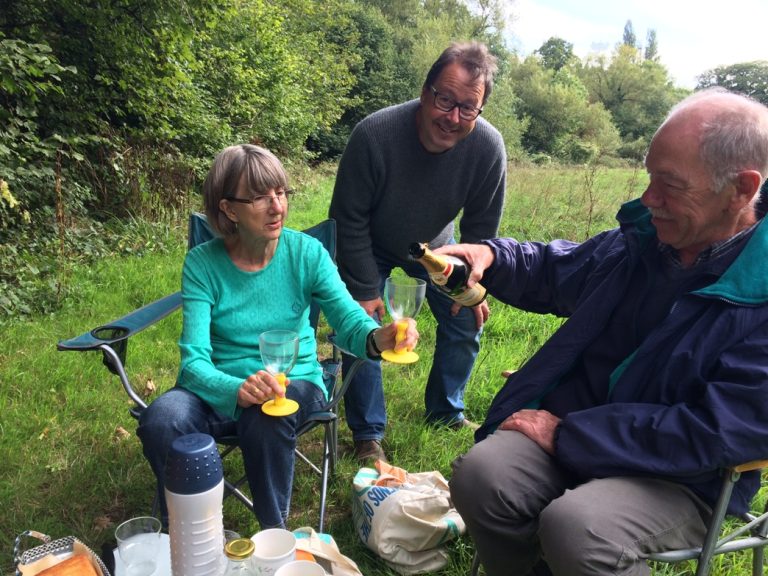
390 192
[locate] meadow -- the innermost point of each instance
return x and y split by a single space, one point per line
71 463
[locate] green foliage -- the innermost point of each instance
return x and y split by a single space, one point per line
629 38
556 53
381 73
29 74
561 121
651 46
501 110
638 93
749 78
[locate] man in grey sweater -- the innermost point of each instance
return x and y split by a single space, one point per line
406 174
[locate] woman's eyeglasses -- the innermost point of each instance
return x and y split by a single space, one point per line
264 201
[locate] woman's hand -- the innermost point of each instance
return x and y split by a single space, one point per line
385 336
258 388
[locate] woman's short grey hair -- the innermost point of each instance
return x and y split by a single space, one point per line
474 57
253 167
733 140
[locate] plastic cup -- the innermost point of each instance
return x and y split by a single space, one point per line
300 568
274 548
138 543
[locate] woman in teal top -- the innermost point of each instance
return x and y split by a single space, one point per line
256 276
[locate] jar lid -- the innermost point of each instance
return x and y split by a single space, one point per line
239 548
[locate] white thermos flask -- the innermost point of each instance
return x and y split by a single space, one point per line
194 490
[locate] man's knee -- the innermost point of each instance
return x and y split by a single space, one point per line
580 537
471 482
479 489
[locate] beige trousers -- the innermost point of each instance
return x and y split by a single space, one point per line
520 505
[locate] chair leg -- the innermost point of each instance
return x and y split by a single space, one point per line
757 562
232 490
718 514
333 448
324 475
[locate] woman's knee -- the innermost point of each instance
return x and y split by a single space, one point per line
174 410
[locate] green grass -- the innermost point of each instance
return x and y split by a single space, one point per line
67 468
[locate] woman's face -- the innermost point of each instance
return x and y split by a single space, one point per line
258 215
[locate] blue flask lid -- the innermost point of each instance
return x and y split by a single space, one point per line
193 465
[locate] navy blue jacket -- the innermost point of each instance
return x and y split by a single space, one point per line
692 398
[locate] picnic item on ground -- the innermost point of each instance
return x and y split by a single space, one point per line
273 548
239 553
194 491
301 568
324 550
138 543
63 556
78 565
405 518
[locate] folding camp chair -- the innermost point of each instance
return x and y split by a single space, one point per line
112 340
749 532
744 533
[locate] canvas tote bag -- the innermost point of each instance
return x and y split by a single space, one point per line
405 518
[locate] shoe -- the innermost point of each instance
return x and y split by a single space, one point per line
369 450
464 423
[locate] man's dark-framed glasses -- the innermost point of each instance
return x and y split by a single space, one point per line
447 104
263 202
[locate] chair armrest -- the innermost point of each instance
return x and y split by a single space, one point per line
124 327
112 338
749 466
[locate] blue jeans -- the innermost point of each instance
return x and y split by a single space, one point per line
457 342
266 442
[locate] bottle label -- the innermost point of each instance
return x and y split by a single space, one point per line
441 278
469 296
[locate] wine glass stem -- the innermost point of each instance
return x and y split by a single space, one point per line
280 380
402 326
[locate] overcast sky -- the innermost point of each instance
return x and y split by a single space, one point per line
692 36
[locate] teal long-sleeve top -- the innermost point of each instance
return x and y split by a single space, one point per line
225 309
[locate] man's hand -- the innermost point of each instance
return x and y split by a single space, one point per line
478 256
374 308
481 312
538 425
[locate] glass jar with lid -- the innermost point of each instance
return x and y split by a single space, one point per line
239 552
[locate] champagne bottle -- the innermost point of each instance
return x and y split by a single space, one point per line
449 274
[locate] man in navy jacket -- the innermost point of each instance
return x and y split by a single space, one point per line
605 446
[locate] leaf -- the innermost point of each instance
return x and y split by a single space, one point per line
121 434
149 388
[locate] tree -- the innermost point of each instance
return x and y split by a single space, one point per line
750 78
638 93
556 53
629 38
652 46
561 122
382 75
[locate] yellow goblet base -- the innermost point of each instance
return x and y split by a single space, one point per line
405 357
284 407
